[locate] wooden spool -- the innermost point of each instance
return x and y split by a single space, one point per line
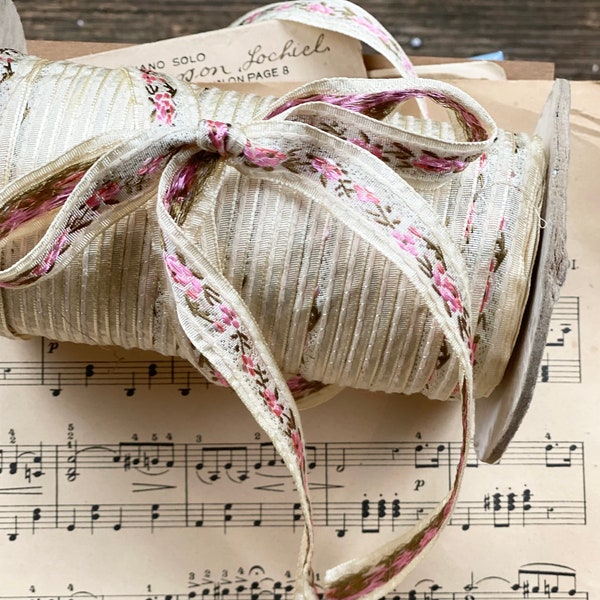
498 416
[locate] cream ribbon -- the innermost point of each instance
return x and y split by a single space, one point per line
333 144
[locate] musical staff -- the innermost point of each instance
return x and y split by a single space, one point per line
58 368
534 580
562 358
153 485
238 463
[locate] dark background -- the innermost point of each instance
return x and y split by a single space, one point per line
566 32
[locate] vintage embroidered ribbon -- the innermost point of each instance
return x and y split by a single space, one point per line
173 229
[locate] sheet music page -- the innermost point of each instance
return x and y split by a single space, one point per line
122 475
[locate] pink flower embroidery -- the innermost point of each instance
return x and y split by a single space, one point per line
364 195
271 400
104 195
218 133
229 316
180 185
446 288
151 77
320 8
378 152
220 380
435 164
263 157
52 255
181 275
165 108
407 241
296 383
328 169
150 165
376 30
470 220
248 365
298 445
33 207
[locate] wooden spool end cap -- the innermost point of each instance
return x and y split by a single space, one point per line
498 416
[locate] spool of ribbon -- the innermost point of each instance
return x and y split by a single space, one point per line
285 246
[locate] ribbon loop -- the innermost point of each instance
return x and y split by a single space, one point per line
334 150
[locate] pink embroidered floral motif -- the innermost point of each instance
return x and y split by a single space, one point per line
320 8
296 383
6 62
374 29
183 276
220 380
435 164
364 195
181 183
229 316
298 447
378 152
407 241
28 208
248 365
104 195
165 108
50 259
470 221
328 169
151 77
218 133
150 166
446 288
263 157
271 400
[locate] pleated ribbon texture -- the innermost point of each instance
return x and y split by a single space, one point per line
287 247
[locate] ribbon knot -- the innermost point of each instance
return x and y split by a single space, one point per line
222 138
328 150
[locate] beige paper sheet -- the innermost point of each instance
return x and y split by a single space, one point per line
121 476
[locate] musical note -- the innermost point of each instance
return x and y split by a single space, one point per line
72 472
371 520
227 516
153 458
547 578
267 456
119 524
185 391
73 524
559 455
58 389
154 515
35 517
427 457
231 459
199 521
340 467
343 530
89 372
130 391
259 519
94 516
296 514
14 534
152 372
